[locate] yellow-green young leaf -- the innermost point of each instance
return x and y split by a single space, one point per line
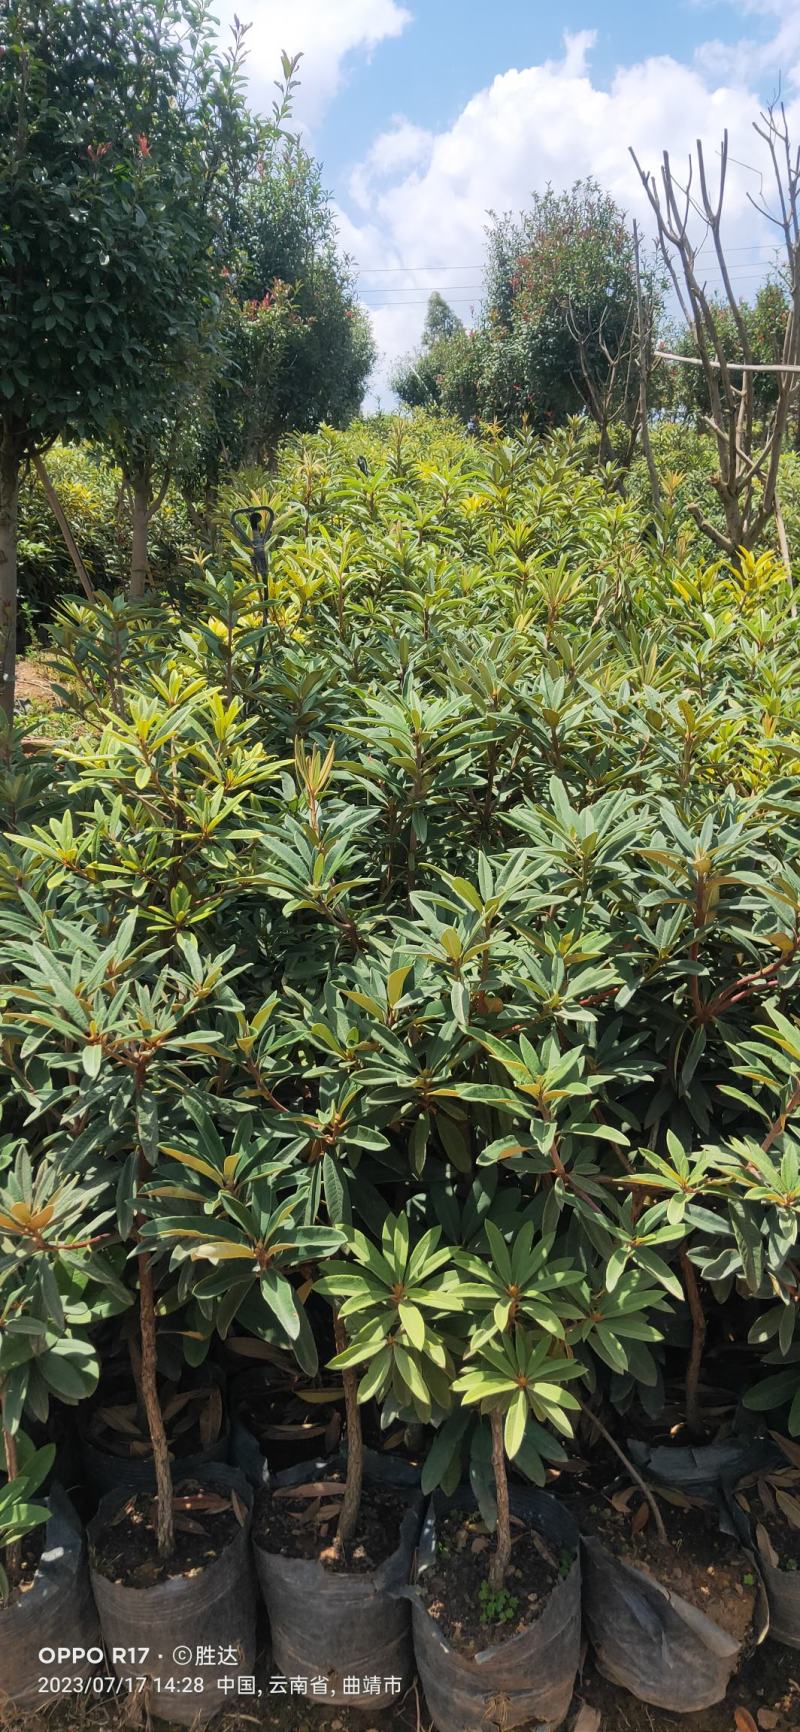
223 1253
395 983
195 1162
515 1423
365 1002
414 1324
467 892
257 1022
92 1058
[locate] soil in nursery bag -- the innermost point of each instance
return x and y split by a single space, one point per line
192 1618
764 1695
32 1548
205 1523
330 1618
456 1594
300 1522
671 1624
52 1607
518 1667
703 1564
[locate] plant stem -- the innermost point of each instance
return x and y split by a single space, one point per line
135 1359
9 506
351 1502
13 1552
629 1467
502 1551
165 1525
695 1303
140 524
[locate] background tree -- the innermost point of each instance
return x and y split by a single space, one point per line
440 321
113 139
226 144
444 372
561 314
685 392
296 346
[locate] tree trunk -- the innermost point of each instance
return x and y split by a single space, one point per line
501 1556
644 346
351 1502
139 535
9 507
165 1525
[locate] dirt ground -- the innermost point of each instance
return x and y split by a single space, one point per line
34 684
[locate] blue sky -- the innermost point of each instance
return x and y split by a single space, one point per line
449 50
428 113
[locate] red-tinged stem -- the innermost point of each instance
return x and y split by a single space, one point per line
13 1552
165 1523
351 1502
501 1556
698 1315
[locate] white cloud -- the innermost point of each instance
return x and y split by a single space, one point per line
422 200
404 146
326 32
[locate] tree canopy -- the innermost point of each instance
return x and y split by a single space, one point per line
117 126
296 346
557 334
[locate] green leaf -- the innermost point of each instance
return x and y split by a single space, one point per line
278 1295
414 1324
92 1058
515 1421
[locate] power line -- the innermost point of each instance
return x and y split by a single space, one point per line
704 251
453 301
444 289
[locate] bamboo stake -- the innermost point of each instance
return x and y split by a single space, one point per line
69 540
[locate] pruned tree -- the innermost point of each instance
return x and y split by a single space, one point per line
604 374
748 446
645 361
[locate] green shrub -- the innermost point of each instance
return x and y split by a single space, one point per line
456 878
90 491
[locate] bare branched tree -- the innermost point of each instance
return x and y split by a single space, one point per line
645 361
748 453
607 377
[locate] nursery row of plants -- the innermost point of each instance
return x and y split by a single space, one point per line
401 1070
